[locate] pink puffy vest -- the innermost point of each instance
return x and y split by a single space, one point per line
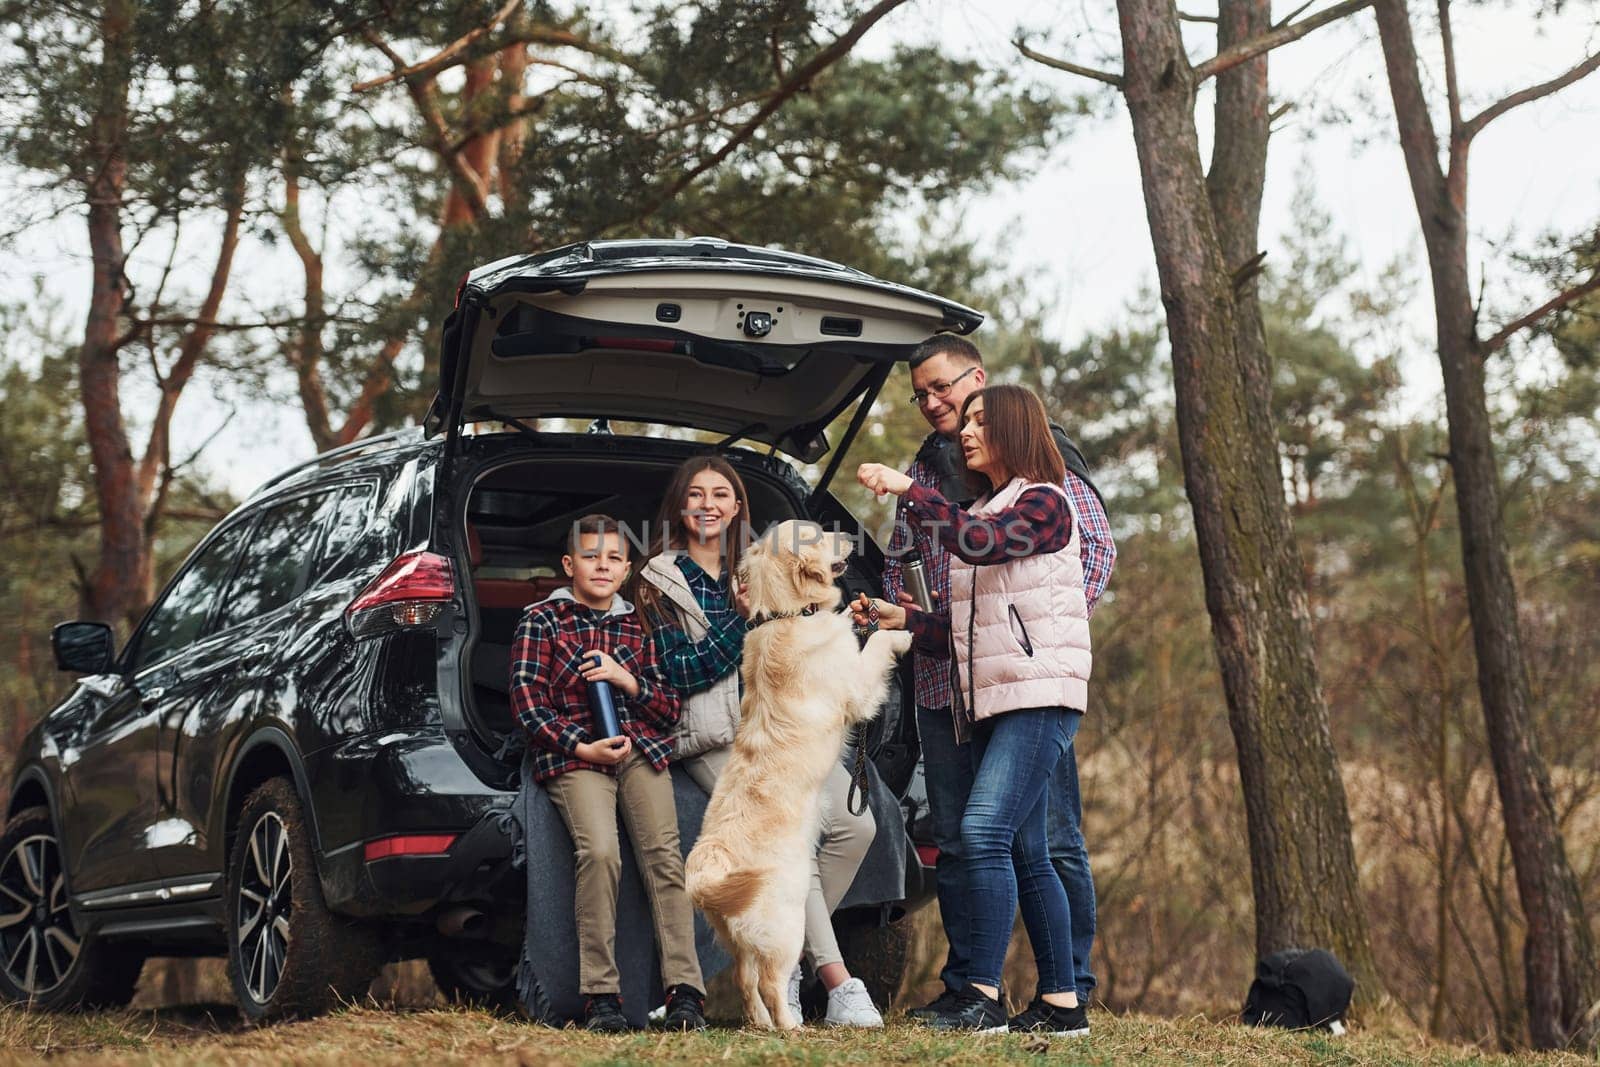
1029 643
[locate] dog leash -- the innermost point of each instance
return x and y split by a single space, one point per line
856 800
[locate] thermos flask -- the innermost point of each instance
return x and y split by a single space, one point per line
603 705
916 580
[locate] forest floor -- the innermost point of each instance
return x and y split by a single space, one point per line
370 1037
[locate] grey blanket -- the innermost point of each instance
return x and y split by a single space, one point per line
547 980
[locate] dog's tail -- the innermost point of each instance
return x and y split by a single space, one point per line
715 884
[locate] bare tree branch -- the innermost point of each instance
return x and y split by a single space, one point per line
1070 68
220 326
1296 13
1475 125
1554 304
158 450
1245 51
709 114
1452 87
424 93
1190 17
445 57
530 33
797 81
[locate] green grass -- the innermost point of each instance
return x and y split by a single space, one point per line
369 1037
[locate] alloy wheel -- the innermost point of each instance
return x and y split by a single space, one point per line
264 906
38 942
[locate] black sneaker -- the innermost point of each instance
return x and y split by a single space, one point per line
1043 1018
686 1009
603 1013
937 1006
972 1010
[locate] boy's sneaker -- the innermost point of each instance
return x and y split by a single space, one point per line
603 1014
794 997
974 1011
686 1008
850 1005
1042 1018
937 1006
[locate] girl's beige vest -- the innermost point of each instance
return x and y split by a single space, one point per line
709 718
1027 643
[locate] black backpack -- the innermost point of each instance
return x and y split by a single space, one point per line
1298 989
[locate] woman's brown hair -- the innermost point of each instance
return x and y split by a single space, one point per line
1017 432
668 534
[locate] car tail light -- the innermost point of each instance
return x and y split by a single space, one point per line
928 855
411 592
408 845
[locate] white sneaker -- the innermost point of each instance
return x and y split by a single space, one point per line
794 996
849 1005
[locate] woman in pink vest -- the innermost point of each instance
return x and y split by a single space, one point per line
1018 631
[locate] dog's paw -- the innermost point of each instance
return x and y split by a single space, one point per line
899 641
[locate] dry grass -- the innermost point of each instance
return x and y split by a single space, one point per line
371 1037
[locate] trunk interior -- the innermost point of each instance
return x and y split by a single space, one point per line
518 514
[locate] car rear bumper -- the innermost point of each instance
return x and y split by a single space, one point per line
405 827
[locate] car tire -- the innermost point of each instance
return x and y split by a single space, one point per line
476 974
44 962
288 955
482 975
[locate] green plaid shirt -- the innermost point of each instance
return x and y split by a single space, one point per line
695 666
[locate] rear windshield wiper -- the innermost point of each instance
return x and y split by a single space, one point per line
516 424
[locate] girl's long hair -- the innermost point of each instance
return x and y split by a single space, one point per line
668 534
1017 433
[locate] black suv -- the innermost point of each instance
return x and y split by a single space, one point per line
304 757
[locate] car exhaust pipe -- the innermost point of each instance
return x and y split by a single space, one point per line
463 921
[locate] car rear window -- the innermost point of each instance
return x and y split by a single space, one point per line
353 543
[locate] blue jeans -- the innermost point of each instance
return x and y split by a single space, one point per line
1070 858
948 776
949 781
947 769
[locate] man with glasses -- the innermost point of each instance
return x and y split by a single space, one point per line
945 370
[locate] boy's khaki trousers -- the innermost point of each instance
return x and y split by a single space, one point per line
588 801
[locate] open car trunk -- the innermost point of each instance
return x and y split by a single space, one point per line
519 508
518 515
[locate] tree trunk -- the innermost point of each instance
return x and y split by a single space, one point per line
513 72
111 593
1559 960
1302 861
306 349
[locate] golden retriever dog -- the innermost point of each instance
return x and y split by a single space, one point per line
805 681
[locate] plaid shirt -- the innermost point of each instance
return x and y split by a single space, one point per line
551 699
695 666
1040 515
1096 548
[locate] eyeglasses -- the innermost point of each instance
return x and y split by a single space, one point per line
939 390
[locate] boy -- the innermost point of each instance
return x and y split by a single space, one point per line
579 636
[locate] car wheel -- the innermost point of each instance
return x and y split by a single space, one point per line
44 960
288 955
475 973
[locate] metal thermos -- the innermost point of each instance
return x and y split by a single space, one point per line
603 705
916 580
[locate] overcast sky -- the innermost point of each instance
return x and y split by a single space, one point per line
1076 228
